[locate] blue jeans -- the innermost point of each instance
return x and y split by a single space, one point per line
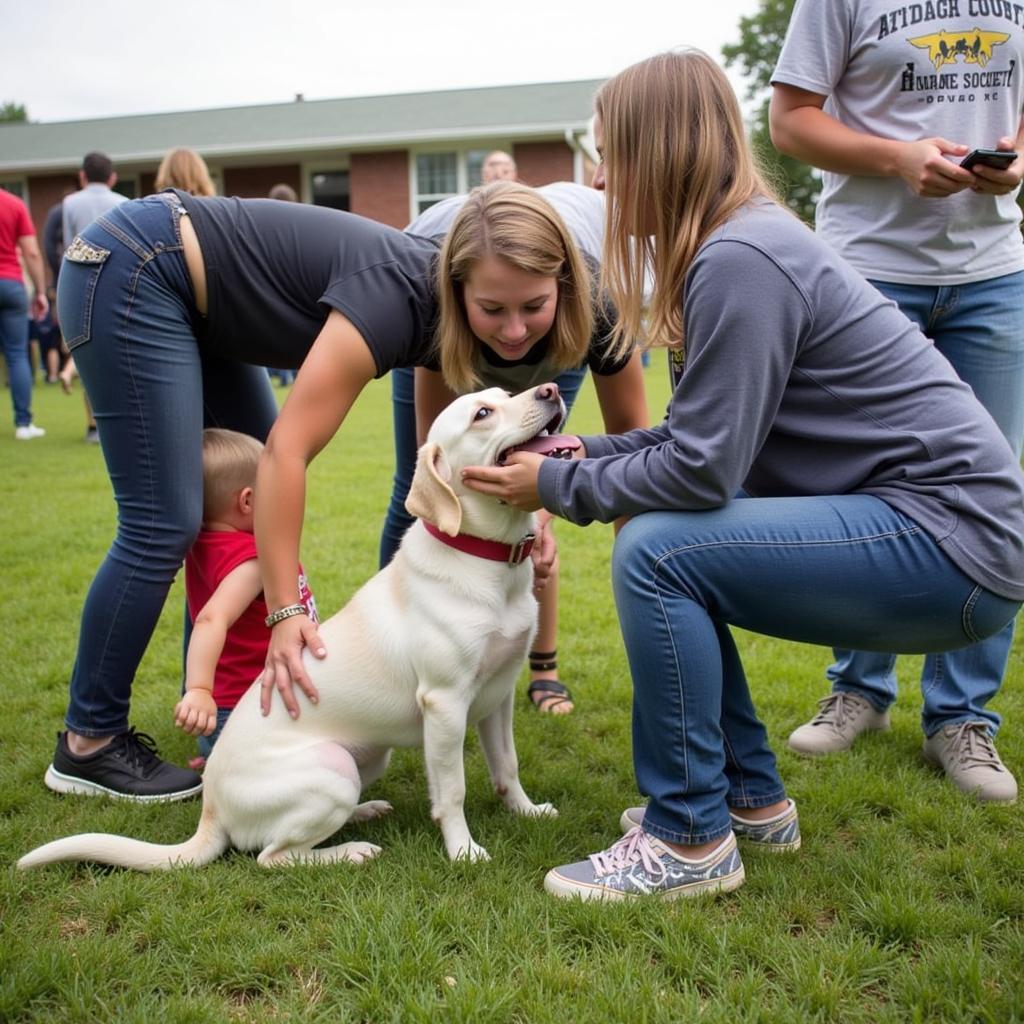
847 569
14 338
979 328
130 321
403 411
205 743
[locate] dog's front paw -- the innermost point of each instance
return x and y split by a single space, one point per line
538 811
370 810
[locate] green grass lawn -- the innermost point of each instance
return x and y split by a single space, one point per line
905 903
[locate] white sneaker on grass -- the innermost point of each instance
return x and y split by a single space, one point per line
28 432
967 753
639 864
842 716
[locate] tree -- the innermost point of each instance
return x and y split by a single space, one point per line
757 52
10 111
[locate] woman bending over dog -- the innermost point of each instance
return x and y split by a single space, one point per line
885 508
172 306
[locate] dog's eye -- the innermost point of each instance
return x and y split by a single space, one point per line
482 413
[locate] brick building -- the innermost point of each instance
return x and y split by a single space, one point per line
386 157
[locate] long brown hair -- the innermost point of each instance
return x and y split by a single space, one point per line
185 169
677 165
515 224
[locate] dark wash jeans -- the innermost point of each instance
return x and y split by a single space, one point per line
128 315
845 569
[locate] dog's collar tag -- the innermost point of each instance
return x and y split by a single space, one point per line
511 554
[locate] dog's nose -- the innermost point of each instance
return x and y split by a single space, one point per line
546 392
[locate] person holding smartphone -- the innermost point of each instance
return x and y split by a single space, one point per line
889 111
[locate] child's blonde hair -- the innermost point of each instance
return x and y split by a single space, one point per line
515 224
229 465
185 169
677 166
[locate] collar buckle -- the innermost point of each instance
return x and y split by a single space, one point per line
521 551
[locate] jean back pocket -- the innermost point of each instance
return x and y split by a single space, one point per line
76 286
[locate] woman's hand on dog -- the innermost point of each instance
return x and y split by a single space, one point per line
515 483
284 663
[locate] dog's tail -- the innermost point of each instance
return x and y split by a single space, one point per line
209 842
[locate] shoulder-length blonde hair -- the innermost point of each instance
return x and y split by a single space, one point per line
677 165
185 169
515 224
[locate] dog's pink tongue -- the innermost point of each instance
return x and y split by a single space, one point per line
562 445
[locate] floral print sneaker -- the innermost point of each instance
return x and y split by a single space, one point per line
639 864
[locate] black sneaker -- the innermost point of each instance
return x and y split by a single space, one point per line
127 768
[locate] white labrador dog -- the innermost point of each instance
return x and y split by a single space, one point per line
430 645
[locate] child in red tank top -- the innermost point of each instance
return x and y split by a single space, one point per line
224 589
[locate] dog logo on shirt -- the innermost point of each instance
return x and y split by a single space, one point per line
975 47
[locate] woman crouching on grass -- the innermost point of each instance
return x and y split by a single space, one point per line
885 508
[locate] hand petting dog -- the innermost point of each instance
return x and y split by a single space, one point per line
515 480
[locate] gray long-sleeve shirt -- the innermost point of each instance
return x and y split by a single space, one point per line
802 379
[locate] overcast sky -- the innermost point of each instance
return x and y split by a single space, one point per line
72 59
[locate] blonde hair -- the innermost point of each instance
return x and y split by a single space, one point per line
677 166
185 169
515 224
229 465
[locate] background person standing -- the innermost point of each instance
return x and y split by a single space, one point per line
96 196
888 113
18 237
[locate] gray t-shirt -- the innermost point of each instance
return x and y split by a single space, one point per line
946 68
81 208
802 379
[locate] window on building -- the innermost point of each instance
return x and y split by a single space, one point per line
127 187
439 175
330 188
16 188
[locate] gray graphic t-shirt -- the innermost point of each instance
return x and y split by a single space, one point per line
945 68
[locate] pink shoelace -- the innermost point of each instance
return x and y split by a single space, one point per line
634 846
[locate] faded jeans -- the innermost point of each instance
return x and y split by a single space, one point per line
979 328
820 570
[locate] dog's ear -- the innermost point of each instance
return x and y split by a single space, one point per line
430 496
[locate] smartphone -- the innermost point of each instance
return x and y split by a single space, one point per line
998 158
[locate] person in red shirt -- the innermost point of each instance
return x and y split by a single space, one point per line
228 647
18 237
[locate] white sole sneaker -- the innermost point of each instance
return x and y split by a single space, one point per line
82 787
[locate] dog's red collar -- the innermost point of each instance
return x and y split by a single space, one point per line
512 554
